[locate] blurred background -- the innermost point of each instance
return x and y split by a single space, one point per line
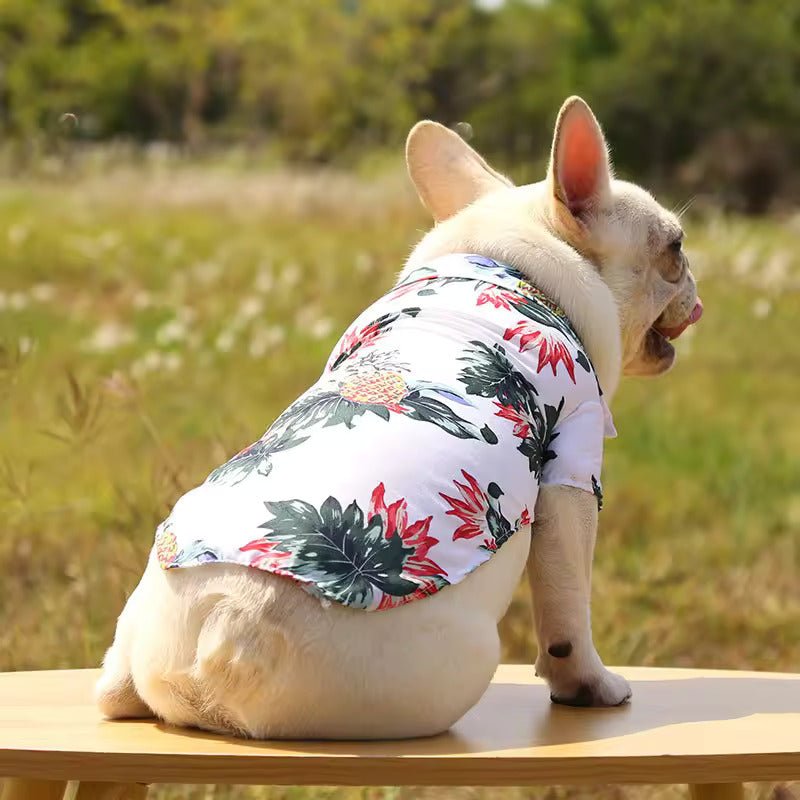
197 197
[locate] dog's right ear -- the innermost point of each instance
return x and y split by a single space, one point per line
580 169
447 173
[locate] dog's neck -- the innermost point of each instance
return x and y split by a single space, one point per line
549 263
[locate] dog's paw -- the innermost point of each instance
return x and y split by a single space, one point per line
607 689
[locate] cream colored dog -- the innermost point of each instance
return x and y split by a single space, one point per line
238 650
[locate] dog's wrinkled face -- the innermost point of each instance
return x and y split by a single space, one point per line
635 243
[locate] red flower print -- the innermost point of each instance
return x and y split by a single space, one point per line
551 348
522 422
414 535
266 556
355 339
498 297
470 509
358 337
525 517
388 601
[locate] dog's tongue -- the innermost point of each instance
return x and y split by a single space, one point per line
674 333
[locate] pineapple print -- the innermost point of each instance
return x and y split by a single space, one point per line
375 385
166 547
386 388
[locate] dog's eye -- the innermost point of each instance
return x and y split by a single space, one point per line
676 245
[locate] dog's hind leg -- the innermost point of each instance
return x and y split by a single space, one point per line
115 693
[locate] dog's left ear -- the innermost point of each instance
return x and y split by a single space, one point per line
447 173
580 170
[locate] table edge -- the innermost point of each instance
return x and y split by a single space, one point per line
315 770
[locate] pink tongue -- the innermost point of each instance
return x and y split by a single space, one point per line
674 333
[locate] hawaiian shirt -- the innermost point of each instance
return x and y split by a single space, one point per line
417 453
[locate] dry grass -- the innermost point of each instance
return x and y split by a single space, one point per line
214 297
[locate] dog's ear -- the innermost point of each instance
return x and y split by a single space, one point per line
447 173
580 170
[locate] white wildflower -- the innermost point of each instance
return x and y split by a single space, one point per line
109 336
149 362
141 300
17 234
305 317
251 307
793 511
172 331
744 262
18 300
108 240
290 275
776 270
321 328
26 345
309 319
172 362
207 272
43 292
793 222
265 339
364 263
265 280
225 341
762 308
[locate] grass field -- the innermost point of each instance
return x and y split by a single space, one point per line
153 321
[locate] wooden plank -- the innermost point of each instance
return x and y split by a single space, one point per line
683 726
110 791
717 791
22 789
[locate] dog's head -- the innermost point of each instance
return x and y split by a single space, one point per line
633 243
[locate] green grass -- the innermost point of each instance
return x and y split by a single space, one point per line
213 297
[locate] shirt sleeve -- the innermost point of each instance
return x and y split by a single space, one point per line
575 454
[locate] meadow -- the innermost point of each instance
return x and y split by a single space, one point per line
155 317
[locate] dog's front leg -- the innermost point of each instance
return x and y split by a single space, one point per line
560 575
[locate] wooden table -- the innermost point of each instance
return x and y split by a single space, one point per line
712 729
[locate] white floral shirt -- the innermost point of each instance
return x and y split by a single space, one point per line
417 453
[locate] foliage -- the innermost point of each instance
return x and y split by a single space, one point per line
707 86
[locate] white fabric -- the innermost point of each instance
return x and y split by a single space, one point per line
417 453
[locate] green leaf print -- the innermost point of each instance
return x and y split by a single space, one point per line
338 551
257 457
491 374
429 409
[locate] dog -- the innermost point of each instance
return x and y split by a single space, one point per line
270 652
